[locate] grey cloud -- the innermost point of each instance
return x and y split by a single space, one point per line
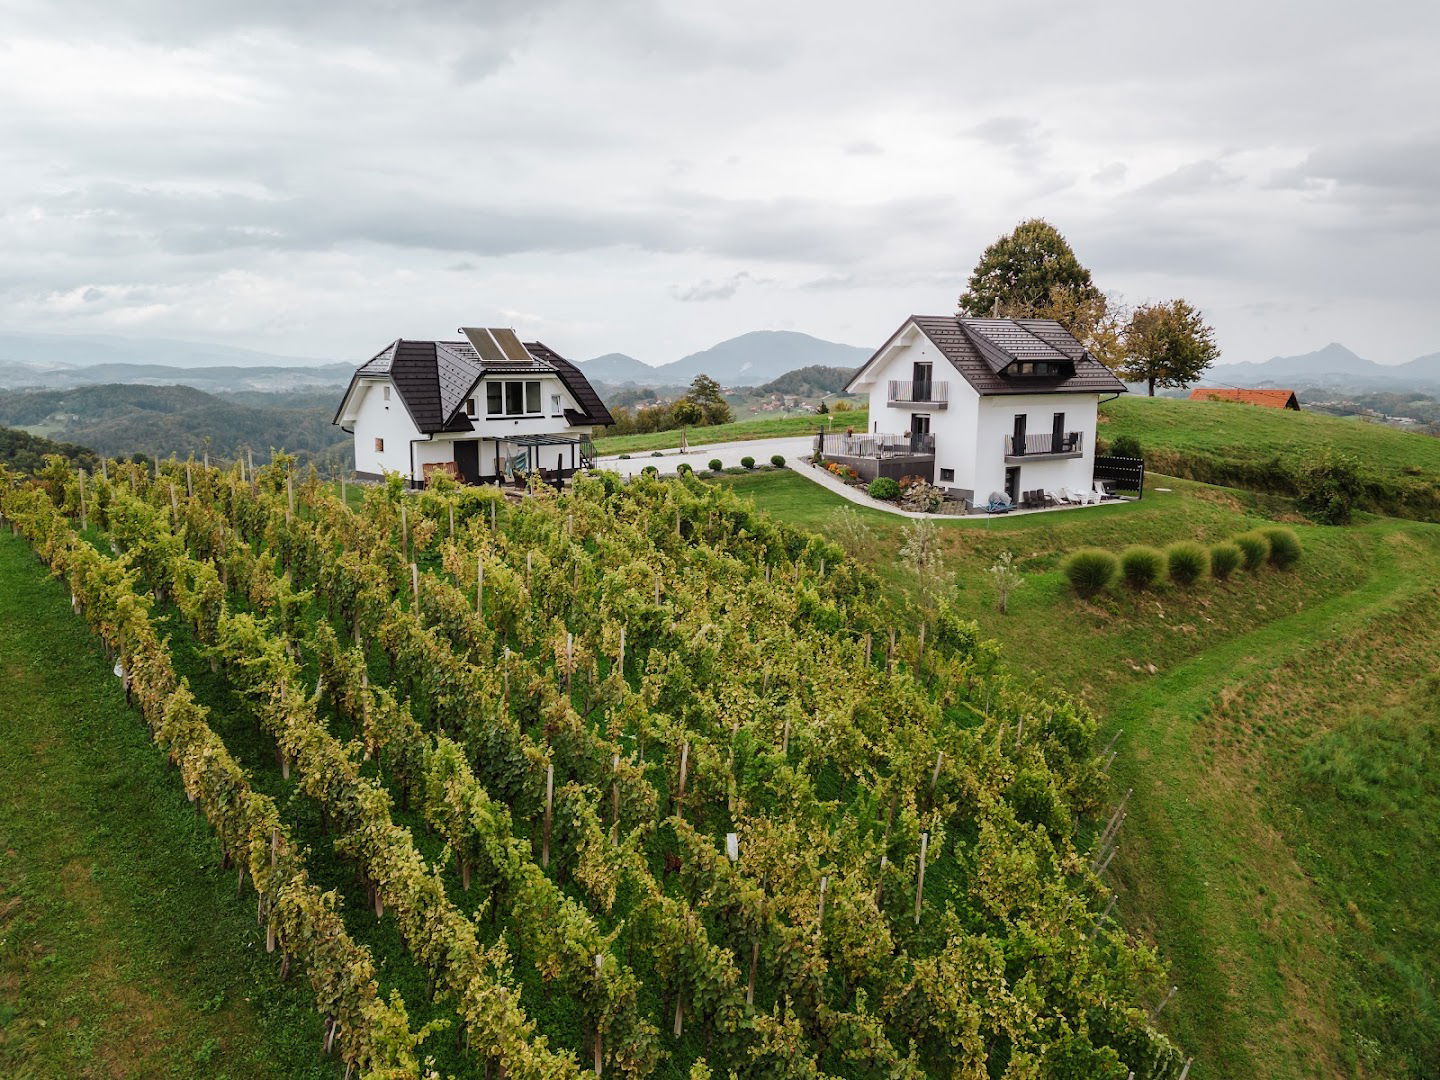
864 148
1197 176
712 290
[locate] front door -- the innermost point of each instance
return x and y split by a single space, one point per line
919 432
1012 484
1017 442
467 460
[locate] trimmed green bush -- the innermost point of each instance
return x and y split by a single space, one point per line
650 470
1141 565
716 464
884 487
778 460
747 462
1254 549
1188 562
684 468
1284 546
1126 446
1090 570
1224 558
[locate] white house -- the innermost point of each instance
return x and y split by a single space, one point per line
979 406
479 409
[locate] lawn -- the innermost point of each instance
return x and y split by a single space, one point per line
773 427
123 951
1282 734
1226 442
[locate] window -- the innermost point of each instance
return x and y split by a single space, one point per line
947 476
512 399
379 446
555 404
470 407
387 393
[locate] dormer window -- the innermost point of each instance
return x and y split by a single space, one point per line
1040 368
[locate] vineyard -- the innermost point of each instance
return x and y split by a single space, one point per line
636 781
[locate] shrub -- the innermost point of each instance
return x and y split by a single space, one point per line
657 453
650 470
1125 446
716 464
778 460
624 457
884 487
684 468
1188 562
1224 558
1327 485
1090 570
1254 549
747 462
1284 546
1141 565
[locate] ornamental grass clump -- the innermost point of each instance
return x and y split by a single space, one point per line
1141 566
1090 571
1188 562
1284 546
1224 558
1254 549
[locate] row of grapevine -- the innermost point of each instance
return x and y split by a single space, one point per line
372 1034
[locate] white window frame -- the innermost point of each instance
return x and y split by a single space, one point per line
526 388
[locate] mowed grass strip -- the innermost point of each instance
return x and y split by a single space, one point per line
123 950
770 427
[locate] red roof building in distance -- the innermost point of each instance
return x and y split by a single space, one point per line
1270 399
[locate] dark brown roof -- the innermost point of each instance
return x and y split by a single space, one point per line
1271 399
593 410
980 349
433 379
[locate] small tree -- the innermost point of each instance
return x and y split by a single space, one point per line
706 395
1007 578
1167 344
850 531
687 413
921 553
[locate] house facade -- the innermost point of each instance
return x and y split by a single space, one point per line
481 410
980 406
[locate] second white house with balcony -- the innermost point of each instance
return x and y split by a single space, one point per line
980 406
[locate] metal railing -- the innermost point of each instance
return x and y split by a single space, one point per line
919 444
930 392
1045 445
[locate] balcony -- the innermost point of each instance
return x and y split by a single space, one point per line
1067 444
931 394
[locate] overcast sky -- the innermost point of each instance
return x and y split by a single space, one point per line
318 178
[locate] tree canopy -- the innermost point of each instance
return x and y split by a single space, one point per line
1033 272
1167 344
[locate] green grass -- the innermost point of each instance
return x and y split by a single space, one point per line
123 950
1281 731
773 427
1242 445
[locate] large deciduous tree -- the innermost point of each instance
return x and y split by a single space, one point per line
1033 272
706 393
1167 344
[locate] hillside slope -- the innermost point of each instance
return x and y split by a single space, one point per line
1244 446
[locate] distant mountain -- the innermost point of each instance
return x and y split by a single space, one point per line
1332 366
747 360
268 379
85 350
618 369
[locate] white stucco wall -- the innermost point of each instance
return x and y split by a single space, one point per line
374 417
996 422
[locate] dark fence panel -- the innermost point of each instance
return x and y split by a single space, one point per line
1127 474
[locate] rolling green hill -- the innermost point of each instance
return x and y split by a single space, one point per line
1281 734
1245 446
26 452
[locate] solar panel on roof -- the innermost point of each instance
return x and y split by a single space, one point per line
484 344
510 345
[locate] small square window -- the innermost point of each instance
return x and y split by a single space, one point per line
387 393
470 407
379 446
947 476
555 404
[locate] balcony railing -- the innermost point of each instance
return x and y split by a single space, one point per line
1049 444
920 444
932 393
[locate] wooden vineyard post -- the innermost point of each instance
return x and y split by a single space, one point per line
343 500
820 917
289 498
250 457
677 521
615 800
890 652
621 661
84 517
415 581
206 458
880 880
189 482
679 1025
549 812
174 505
599 1050
452 521
479 585
754 964
867 648
920 878
920 655
657 588
492 516
680 792
935 776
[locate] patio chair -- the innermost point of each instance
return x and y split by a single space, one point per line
1100 493
1053 497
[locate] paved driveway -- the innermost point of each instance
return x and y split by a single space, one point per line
794 448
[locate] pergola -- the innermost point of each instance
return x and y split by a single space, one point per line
534 444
